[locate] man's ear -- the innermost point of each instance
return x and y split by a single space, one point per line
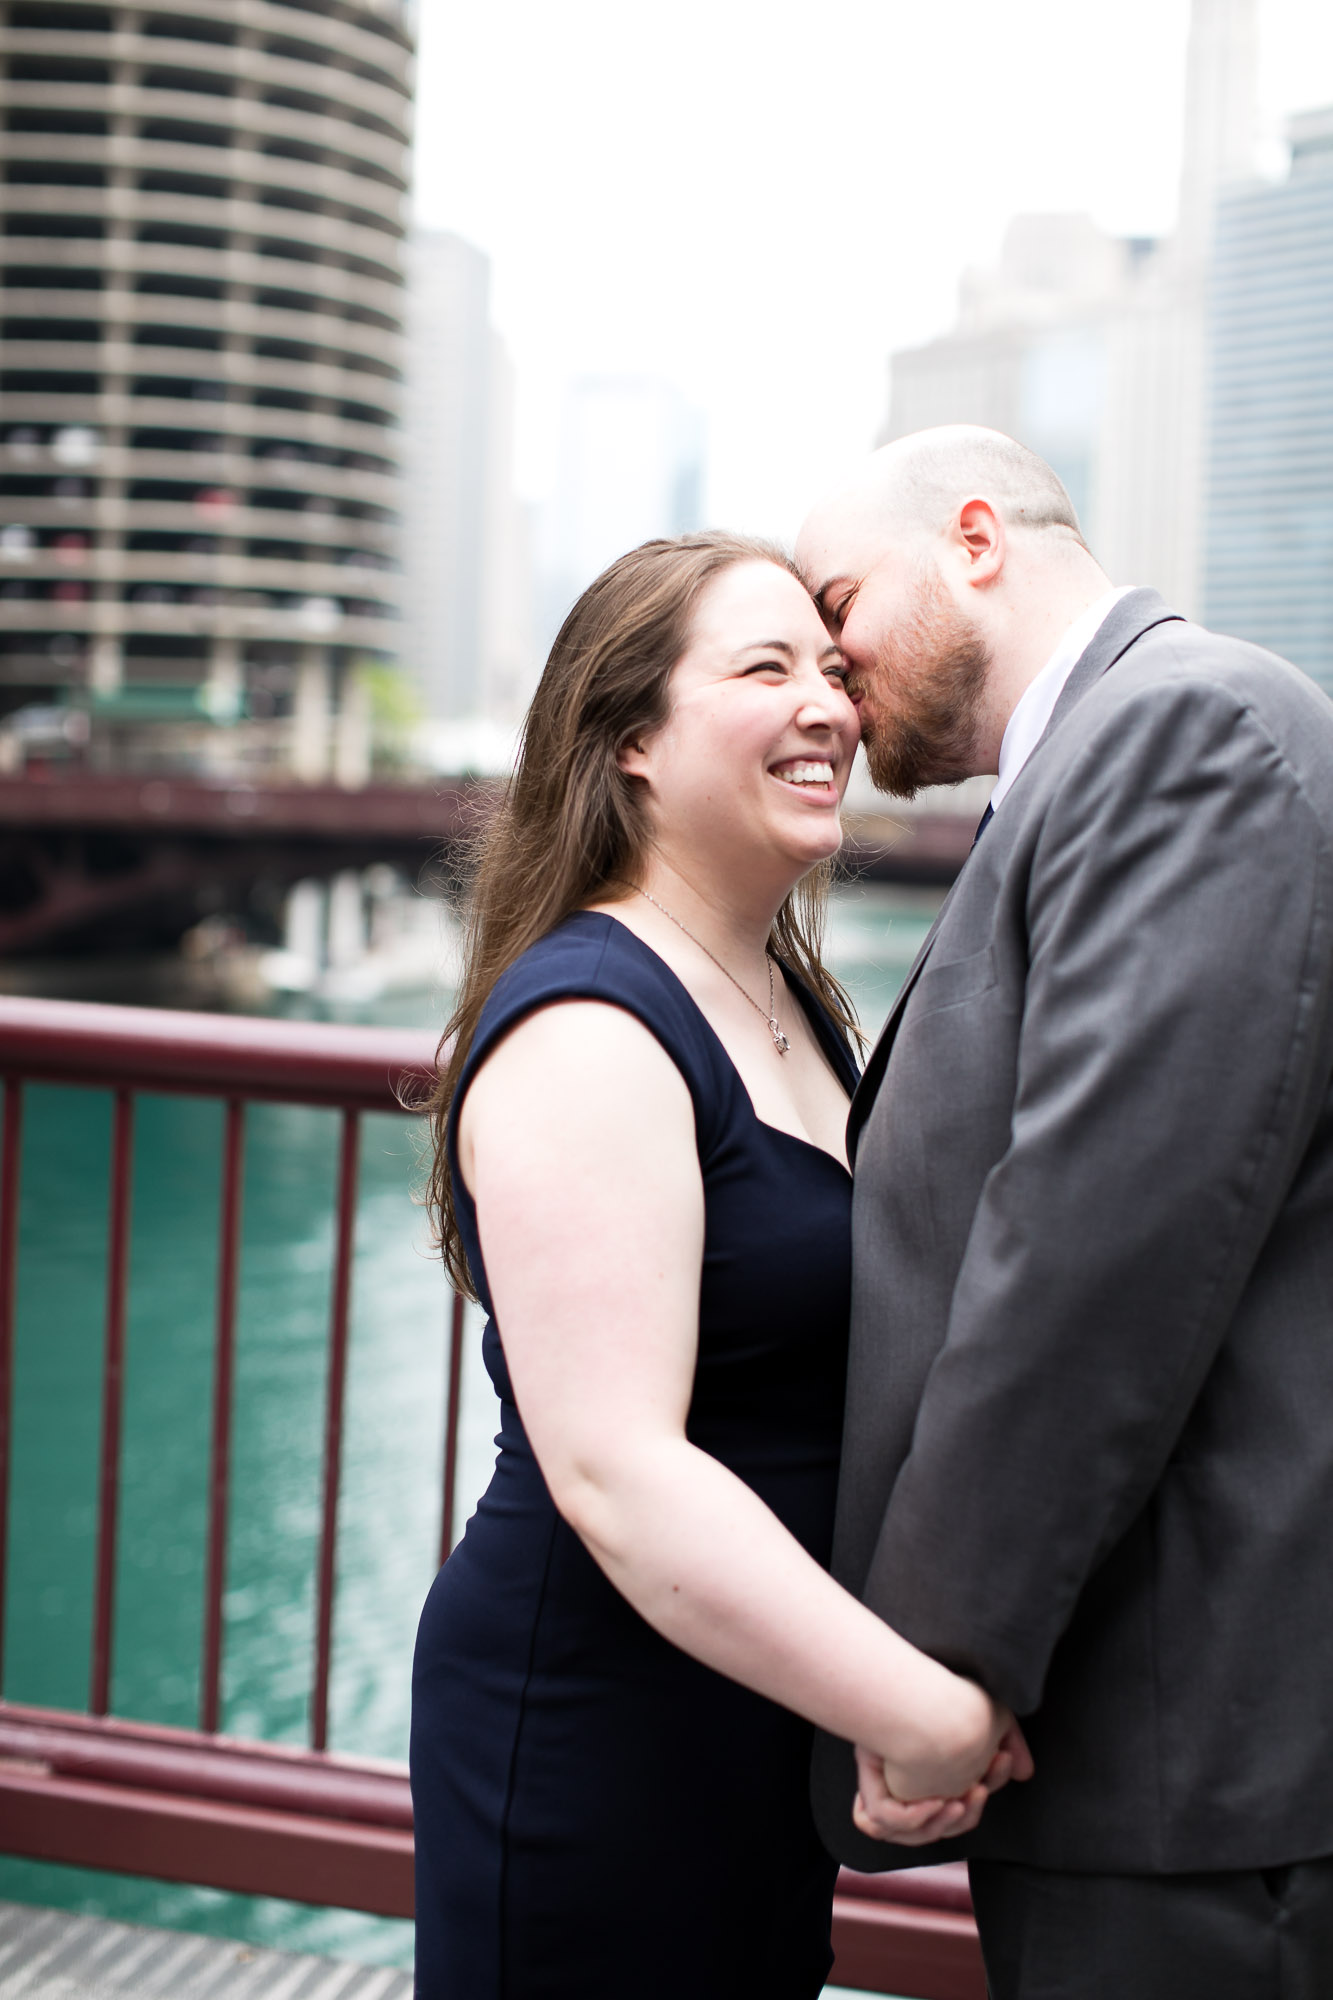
978 533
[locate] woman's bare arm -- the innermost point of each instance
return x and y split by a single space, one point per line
578 1144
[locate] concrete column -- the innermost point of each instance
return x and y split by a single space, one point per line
304 924
347 920
106 659
225 686
310 715
351 744
106 664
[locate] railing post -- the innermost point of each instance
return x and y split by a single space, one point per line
11 1146
113 1396
333 1424
224 1352
452 1413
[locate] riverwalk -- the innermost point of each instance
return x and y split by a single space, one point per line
51 1955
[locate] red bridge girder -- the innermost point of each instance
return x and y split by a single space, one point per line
82 854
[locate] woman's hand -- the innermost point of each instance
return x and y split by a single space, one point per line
880 1815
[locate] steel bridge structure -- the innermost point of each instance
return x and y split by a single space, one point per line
93 860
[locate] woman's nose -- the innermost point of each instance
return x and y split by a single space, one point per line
822 703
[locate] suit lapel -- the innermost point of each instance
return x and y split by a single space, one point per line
1126 622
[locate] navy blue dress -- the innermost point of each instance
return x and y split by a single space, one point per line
599 1816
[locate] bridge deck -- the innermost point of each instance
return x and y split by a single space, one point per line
51 1955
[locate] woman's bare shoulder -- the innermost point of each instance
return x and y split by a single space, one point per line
569 1040
579 1078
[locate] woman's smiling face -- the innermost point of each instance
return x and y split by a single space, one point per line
755 754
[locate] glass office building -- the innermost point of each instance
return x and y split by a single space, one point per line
1268 562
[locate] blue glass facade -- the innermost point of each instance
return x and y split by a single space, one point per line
1268 552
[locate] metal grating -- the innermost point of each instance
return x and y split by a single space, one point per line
50 1955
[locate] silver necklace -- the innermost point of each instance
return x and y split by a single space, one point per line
780 1042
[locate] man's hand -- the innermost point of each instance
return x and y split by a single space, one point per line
916 1823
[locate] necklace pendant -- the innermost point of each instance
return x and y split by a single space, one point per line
780 1042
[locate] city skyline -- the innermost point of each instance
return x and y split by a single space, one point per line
758 173
1092 348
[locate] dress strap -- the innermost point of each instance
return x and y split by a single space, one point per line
593 957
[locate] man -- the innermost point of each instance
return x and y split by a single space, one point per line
1089 1447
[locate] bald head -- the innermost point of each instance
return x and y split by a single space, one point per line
916 486
922 480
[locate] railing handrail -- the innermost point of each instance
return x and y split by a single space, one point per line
151 1048
126 1050
94 1790
113 1751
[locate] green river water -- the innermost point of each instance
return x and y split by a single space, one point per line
389 1509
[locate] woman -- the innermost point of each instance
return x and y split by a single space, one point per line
640 1167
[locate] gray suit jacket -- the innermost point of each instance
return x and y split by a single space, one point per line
1089 1445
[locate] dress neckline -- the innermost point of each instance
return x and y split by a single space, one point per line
814 1014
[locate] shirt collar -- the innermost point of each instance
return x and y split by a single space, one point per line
1036 704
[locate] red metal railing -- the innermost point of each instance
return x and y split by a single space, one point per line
190 1805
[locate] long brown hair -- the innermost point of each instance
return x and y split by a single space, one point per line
571 829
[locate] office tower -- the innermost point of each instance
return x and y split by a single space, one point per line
1028 353
1220 118
467 638
631 466
199 371
444 465
1268 575
1090 348
510 662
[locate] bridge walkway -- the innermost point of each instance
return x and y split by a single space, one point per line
52 1955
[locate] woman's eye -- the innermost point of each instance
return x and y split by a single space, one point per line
840 674
766 667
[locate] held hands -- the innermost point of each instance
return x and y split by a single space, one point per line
883 1813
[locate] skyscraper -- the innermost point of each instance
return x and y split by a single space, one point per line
1090 348
631 466
199 368
1028 355
445 451
467 587
1269 570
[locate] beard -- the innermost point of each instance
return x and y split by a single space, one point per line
928 683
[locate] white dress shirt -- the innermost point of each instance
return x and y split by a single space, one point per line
1036 704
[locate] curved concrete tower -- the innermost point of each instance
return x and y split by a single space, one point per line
199 369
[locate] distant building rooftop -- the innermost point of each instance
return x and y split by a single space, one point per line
1310 134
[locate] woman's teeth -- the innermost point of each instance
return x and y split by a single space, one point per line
805 774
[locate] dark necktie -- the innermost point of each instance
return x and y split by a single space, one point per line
986 819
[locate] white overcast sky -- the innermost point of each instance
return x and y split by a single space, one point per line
761 198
